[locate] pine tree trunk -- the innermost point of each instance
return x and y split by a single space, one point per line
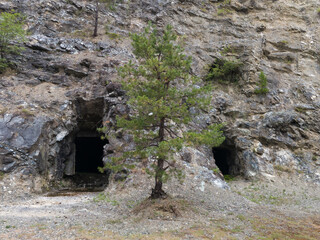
96 18
157 191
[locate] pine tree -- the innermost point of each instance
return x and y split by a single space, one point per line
162 97
11 34
263 85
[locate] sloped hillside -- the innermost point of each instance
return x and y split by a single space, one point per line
64 87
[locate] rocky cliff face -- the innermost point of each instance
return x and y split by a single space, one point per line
64 85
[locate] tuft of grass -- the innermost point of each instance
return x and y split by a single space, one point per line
1 175
113 36
224 8
288 228
10 226
223 11
314 158
300 109
288 61
114 221
237 229
282 168
82 34
3 111
101 197
204 10
229 178
284 42
215 170
228 49
241 217
27 112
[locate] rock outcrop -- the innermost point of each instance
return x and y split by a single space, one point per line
65 82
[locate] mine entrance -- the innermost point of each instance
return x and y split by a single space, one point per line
226 159
86 152
89 154
222 157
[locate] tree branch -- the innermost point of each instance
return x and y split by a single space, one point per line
171 133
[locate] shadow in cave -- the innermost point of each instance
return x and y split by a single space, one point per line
88 158
225 159
82 154
89 154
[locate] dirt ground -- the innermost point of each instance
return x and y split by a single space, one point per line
286 208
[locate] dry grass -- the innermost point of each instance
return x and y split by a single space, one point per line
286 228
164 209
265 228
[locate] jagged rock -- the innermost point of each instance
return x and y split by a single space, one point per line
60 50
20 133
115 88
76 72
39 47
8 164
86 63
121 175
280 119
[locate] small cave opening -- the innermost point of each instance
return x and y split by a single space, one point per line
89 154
226 159
222 157
86 148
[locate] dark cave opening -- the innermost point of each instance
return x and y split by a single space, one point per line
88 157
222 156
85 149
89 154
225 159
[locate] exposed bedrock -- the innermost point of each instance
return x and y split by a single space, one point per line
64 87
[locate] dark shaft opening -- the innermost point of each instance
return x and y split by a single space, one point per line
222 158
89 154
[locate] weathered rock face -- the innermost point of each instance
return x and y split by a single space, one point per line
65 79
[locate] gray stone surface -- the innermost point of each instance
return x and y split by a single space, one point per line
62 63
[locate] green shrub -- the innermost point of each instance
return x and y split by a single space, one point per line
11 34
228 49
224 71
228 178
215 170
262 85
113 36
223 11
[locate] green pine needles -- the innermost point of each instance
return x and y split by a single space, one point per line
161 94
262 86
224 71
11 34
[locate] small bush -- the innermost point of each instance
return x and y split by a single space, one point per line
113 36
228 49
282 168
224 71
11 35
229 178
262 85
216 170
223 11
27 112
